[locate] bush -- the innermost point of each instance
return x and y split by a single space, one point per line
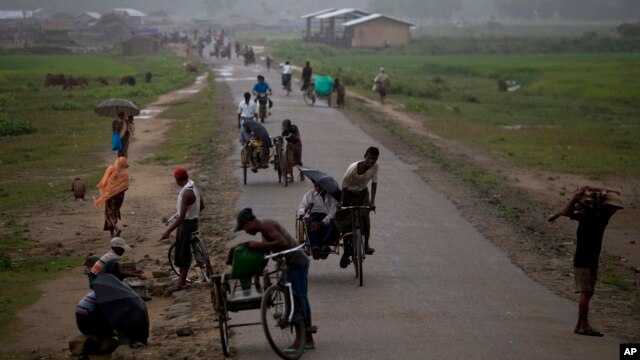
629 30
5 261
10 126
470 98
66 105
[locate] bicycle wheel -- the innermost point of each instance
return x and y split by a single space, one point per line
281 332
276 163
353 245
202 259
244 158
176 270
284 166
220 308
358 258
306 95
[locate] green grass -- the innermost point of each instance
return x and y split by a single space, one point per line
576 113
67 134
38 167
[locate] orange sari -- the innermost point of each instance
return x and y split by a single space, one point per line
114 181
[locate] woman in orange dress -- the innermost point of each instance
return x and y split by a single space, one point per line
112 186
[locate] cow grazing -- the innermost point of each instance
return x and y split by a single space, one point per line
102 80
147 77
128 80
75 81
54 80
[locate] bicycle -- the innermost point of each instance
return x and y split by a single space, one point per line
280 311
263 105
309 94
357 242
280 160
199 257
286 81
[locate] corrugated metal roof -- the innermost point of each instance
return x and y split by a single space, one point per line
15 14
342 12
373 17
94 15
131 12
317 13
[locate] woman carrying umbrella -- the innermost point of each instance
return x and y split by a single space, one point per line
122 126
294 147
112 186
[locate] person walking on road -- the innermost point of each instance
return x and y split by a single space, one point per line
340 90
188 207
356 193
592 208
381 85
294 147
276 238
246 110
307 73
112 186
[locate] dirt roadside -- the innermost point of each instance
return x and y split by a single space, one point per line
543 250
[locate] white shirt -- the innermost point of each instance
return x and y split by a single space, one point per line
354 182
193 212
286 69
326 205
247 110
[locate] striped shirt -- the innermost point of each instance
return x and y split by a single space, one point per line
99 265
87 304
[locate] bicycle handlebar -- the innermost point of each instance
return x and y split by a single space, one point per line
356 207
284 252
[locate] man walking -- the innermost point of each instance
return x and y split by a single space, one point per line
592 208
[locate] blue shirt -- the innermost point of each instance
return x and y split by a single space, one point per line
261 88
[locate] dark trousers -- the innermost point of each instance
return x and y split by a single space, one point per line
325 235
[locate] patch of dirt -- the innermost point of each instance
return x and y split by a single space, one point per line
543 250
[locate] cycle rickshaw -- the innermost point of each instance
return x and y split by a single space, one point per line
251 153
280 312
320 87
352 241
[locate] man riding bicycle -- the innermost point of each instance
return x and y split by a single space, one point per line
356 193
286 76
259 146
262 90
246 110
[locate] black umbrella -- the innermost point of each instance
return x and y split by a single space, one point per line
112 107
122 306
325 181
259 131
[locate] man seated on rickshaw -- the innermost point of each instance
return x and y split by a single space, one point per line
321 229
259 148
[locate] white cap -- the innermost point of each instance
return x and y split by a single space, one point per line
381 69
119 242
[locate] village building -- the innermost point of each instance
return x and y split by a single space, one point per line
140 45
355 28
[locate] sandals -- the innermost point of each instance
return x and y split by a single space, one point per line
589 332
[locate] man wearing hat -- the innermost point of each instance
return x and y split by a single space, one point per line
381 83
592 208
188 208
276 238
109 262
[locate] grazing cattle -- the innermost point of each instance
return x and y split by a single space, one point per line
191 68
147 77
54 80
75 81
128 80
102 80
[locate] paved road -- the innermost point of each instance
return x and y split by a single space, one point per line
435 289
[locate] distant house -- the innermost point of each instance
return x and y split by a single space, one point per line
86 20
132 16
140 45
55 31
376 31
355 28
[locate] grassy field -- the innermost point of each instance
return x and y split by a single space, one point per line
63 140
65 132
568 105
